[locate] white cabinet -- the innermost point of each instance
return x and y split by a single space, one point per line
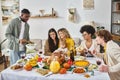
10 9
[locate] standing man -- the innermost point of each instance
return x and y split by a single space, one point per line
17 34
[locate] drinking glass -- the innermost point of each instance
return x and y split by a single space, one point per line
22 55
98 61
41 53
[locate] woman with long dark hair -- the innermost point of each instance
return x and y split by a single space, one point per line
51 43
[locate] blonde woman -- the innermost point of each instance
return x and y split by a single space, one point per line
65 36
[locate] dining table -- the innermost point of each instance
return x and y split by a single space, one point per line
22 74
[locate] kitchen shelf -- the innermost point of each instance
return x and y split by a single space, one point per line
116 23
44 17
116 12
116 37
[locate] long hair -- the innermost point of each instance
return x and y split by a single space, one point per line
64 31
52 46
105 35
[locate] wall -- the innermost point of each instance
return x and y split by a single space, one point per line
39 27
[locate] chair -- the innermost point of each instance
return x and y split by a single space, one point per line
3 61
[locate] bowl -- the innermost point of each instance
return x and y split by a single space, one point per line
79 58
31 46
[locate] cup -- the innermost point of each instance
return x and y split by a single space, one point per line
22 55
40 51
98 61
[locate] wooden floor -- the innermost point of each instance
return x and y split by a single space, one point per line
2 66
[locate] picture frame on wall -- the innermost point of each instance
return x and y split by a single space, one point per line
88 4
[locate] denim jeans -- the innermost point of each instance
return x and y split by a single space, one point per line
14 56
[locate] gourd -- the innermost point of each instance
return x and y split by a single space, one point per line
54 66
28 67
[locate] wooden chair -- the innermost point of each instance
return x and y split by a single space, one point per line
3 61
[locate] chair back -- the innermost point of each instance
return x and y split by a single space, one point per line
3 61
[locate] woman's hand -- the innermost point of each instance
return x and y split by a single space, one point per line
94 52
103 68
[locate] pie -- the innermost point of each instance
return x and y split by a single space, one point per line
81 63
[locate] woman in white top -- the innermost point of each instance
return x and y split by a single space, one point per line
111 56
88 44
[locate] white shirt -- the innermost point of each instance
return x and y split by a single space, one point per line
21 36
94 46
22 30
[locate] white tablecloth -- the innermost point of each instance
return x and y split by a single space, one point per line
9 74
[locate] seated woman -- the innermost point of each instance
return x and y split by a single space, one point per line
65 36
111 57
88 44
51 43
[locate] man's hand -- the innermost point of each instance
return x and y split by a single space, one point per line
30 42
22 41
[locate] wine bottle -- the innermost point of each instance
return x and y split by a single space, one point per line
72 55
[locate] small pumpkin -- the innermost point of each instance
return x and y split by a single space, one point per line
28 67
62 71
54 66
66 65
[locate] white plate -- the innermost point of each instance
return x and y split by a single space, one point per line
17 69
79 58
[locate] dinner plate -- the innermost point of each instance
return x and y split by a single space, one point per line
16 67
79 58
79 70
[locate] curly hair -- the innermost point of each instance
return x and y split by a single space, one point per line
106 35
89 29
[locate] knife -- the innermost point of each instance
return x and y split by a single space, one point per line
47 75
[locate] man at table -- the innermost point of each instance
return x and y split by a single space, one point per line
17 34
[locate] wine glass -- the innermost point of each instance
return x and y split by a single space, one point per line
85 53
22 55
41 53
98 61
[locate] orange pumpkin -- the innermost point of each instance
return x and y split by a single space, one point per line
66 65
28 67
62 71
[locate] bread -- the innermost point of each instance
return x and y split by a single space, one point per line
16 67
43 71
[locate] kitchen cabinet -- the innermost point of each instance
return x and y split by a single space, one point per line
115 19
10 9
